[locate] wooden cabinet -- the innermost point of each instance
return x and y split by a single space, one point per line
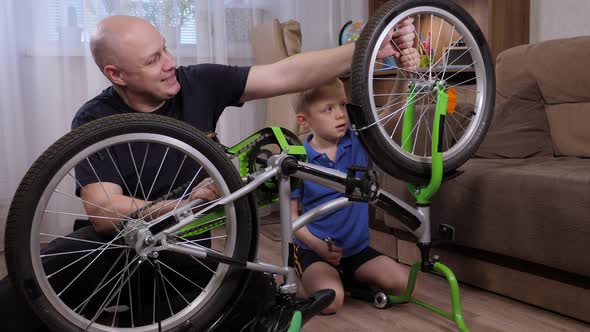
504 23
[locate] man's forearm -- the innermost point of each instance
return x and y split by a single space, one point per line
297 73
106 215
310 69
106 211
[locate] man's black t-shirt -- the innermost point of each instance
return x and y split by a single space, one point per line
205 91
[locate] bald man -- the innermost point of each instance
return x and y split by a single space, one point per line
144 78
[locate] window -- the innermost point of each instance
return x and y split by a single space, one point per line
62 15
67 18
188 29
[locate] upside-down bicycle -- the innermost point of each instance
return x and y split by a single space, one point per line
420 134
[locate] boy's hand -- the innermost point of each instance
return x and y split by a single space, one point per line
329 252
398 39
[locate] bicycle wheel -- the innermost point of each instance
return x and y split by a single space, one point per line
454 57
86 281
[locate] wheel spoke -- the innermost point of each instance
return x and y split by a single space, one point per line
102 250
176 290
104 190
173 184
184 195
103 284
158 174
195 242
81 215
93 281
110 297
182 276
203 264
99 286
189 186
84 201
121 176
138 173
76 252
165 290
411 132
388 116
199 215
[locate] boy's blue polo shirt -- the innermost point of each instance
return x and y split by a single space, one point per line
348 227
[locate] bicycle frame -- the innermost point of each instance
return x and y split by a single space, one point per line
284 166
416 219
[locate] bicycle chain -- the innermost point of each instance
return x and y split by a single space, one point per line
178 190
200 227
250 145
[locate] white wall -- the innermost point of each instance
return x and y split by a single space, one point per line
321 25
551 19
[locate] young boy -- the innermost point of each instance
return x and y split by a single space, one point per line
335 247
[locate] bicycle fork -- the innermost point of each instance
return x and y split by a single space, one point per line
423 196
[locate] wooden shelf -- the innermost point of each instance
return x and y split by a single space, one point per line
504 23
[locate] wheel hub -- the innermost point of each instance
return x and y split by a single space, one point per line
139 236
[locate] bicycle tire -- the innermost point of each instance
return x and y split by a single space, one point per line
387 153
28 201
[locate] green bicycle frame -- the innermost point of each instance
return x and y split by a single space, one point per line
279 135
215 218
456 315
423 195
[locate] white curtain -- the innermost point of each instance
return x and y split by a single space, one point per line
47 71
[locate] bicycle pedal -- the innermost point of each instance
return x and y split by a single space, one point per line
360 188
378 299
381 300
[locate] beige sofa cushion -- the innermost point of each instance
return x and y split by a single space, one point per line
519 128
570 128
560 67
511 75
561 70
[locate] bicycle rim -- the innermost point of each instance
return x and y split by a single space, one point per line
462 70
55 208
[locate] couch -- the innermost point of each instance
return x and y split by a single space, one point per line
521 207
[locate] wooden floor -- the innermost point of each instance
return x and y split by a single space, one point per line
483 311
